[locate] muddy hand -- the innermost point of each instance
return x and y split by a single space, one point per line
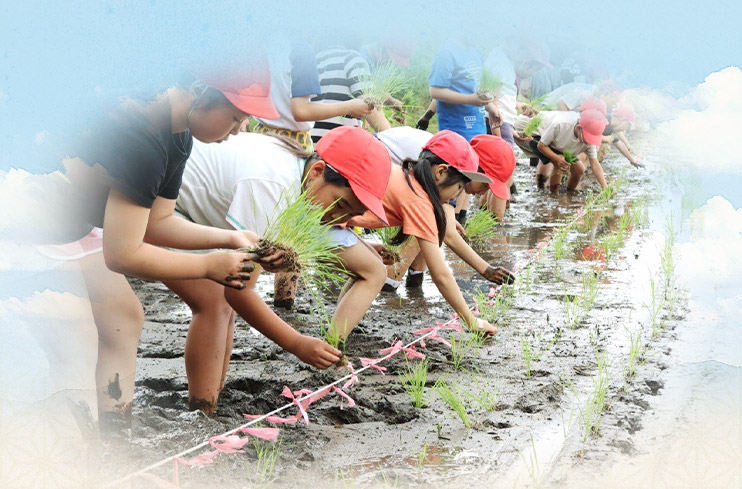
272 260
499 275
636 164
229 268
383 253
316 352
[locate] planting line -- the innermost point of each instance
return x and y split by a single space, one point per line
272 413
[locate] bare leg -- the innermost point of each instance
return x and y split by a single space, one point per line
209 342
119 318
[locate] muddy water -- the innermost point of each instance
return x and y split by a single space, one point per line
532 436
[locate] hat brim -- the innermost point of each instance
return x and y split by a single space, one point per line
500 190
594 139
372 203
475 176
257 106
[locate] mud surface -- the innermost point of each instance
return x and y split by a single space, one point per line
385 441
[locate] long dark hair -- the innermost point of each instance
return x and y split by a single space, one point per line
422 170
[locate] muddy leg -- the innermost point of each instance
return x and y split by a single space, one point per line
542 173
206 350
284 289
119 319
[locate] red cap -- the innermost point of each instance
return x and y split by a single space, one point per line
594 103
248 89
363 160
592 123
625 111
454 150
497 159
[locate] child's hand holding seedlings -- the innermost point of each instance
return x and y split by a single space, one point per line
229 268
499 275
383 253
479 325
561 162
315 352
358 108
273 261
475 99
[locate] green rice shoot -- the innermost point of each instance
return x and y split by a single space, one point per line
452 398
481 226
382 82
489 85
533 125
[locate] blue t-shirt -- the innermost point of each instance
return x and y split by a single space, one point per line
459 69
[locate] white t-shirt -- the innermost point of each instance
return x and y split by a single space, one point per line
404 142
571 94
242 183
499 65
557 131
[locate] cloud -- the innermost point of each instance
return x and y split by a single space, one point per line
695 137
40 136
713 257
46 304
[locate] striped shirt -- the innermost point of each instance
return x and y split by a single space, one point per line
343 74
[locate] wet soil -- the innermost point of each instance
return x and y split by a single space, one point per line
385 441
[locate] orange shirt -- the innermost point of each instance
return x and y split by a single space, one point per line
403 207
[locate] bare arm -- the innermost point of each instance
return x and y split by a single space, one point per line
125 251
598 171
457 244
449 96
304 110
165 229
378 121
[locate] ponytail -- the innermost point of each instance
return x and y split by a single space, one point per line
422 170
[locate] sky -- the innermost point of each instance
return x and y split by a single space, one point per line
61 63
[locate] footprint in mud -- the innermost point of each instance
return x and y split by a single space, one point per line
533 402
654 386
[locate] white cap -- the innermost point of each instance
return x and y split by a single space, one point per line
404 142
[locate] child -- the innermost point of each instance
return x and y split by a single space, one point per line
341 77
127 182
414 200
239 185
454 81
496 160
562 131
294 81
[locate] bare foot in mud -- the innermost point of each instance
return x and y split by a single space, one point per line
208 407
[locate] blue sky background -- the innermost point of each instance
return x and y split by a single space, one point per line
63 62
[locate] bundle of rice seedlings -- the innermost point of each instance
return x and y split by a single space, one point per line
480 226
489 85
570 157
387 235
533 125
382 82
538 104
306 245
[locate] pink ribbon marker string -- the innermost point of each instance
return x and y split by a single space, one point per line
372 363
268 434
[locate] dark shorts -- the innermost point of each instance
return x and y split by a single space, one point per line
534 147
506 131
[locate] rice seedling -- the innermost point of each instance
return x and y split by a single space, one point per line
451 397
533 125
635 351
382 82
306 245
537 104
476 341
570 157
525 280
389 482
494 310
592 411
413 381
489 85
667 259
422 455
572 311
459 349
532 465
610 244
560 242
486 398
392 252
624 223
525 346
589 289
607 193
481 226
346 477
263 472
654 308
